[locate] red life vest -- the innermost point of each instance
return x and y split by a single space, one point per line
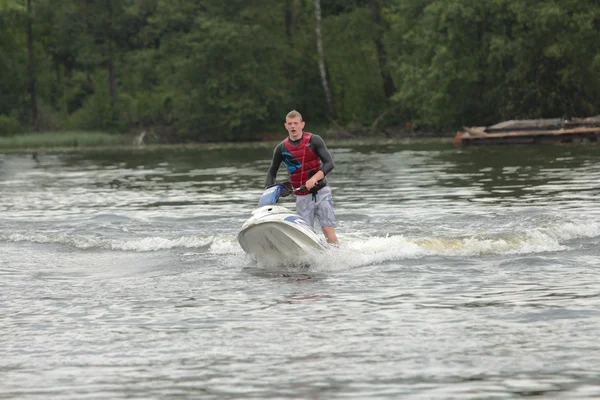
303 162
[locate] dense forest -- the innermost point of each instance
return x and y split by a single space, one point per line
208 70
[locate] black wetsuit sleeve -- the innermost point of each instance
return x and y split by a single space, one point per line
275 163
317 145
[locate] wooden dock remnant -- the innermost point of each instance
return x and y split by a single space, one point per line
555 130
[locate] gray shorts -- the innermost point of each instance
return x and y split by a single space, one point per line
321 207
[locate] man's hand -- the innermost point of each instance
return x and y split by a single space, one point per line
312 182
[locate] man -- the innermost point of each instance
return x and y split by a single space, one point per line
308 161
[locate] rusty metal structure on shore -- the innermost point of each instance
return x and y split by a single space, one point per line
555 130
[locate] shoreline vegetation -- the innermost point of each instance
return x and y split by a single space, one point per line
81 140
226 71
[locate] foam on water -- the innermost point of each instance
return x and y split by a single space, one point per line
225 245
355 250
143 244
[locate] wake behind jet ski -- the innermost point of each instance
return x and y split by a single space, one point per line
275 234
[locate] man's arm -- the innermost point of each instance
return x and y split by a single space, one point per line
275 163
317 145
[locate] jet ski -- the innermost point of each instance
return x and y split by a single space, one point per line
276 235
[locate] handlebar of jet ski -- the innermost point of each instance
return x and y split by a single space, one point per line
288 187
304 187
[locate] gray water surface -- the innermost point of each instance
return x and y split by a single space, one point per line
463 274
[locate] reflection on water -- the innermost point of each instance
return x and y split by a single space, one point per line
462 274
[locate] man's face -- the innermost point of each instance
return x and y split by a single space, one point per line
294 126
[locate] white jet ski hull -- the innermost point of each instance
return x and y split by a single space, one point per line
274 234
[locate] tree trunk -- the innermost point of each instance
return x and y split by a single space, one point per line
289 20
388 84
68 64
112 81
31 69
322 68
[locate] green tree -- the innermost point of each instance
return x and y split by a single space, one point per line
353 63
465 61
13 60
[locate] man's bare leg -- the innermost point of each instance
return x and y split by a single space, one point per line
329 232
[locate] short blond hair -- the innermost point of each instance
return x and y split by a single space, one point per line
294 114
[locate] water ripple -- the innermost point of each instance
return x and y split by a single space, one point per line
462 274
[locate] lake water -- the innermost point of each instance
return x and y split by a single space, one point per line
464 274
